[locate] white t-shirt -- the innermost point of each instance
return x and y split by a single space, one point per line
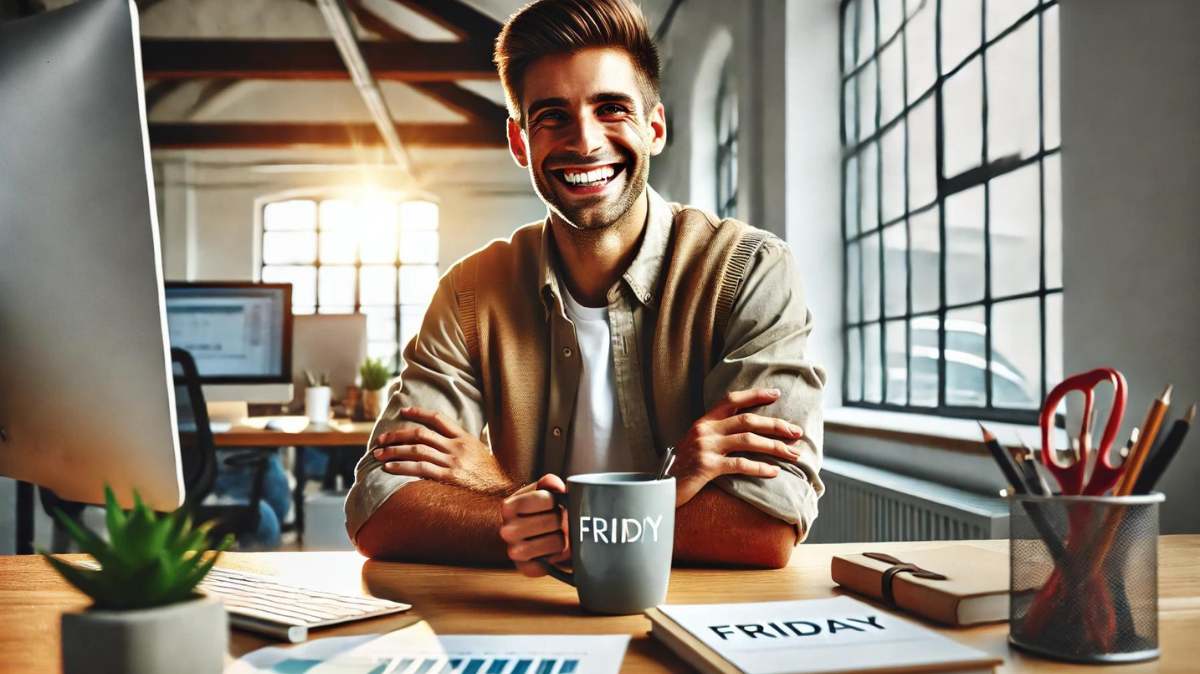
597 436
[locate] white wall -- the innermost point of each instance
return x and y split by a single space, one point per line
1131 208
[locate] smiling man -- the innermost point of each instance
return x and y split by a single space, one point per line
594 340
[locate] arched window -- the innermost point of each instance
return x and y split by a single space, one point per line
373 255
727 144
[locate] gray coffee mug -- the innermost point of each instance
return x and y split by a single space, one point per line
622 528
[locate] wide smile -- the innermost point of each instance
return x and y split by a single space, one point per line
588 180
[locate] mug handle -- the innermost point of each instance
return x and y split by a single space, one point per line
567 577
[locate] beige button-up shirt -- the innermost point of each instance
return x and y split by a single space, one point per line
765 344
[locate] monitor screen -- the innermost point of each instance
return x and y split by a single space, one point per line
236 332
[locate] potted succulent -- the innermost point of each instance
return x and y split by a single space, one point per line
317 398
375 376
146 615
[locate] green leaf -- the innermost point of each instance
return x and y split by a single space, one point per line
86 539
114 518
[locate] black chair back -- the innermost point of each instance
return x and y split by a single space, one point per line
197 451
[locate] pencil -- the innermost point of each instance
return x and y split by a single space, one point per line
1007 465
1161 457
1137 457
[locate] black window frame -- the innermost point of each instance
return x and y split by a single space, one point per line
727 143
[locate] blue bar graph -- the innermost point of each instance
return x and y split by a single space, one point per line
473 666
426 665
522 666
568 667
546 667
497 666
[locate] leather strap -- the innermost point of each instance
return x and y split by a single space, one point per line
898 567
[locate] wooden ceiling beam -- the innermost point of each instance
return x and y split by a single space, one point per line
243 135
458 17
314 60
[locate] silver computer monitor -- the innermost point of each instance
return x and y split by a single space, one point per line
86 395
239 334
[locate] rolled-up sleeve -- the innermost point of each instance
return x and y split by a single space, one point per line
765 346
438 376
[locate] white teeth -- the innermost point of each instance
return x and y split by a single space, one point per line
587 177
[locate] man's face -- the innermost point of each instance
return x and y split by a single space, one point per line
588 137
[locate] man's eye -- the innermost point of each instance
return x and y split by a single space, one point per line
612 109
552 116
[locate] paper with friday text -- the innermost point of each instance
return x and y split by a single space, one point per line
815 636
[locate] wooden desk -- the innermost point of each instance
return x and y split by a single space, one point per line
499 601
339 433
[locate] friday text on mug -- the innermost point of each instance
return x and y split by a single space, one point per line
619 529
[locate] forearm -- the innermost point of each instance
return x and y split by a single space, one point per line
427 521
717 528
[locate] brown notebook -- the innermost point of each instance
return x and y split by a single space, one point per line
973 588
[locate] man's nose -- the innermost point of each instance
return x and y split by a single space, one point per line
586 135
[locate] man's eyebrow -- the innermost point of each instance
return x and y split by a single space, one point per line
543 103
612 97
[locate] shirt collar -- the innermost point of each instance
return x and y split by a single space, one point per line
642 274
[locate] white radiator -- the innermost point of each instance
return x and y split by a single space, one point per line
862 503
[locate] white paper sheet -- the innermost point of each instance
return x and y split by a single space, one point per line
815 636
418 650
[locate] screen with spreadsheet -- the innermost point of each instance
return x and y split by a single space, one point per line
235 332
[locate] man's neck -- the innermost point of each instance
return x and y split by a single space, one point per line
593 260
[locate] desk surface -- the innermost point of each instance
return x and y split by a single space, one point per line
339 433
498 601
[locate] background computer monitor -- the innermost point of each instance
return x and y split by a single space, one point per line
335 344
86 394
240 335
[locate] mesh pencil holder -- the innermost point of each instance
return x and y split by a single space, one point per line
1084 577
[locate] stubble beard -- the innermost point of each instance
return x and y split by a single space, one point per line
594 218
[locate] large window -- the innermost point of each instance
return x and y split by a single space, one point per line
373 256
951 211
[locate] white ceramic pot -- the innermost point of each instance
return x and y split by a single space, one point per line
190 637
316 404
372 404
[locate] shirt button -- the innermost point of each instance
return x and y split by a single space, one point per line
556 432
566 352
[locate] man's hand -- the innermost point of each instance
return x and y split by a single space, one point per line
442 451
534 526
704 453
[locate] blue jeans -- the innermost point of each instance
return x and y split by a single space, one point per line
235 482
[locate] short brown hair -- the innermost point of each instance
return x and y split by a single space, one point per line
546 27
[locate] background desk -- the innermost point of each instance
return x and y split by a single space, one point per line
499 601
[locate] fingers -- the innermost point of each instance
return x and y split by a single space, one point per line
415 435
412 453
433 420
550 544
528 503
748 422
552 482
752 442
740 465
736 400
524 527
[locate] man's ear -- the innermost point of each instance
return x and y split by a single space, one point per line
658 126
516 144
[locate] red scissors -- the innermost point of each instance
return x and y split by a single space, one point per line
1104 474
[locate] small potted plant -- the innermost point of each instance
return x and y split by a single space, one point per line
375 376
317 398
146 615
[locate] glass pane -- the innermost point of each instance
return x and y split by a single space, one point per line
381 323
854 365
870 263
419 246
892 155
891 13
377 285
305 309
289 247
866 100
964 246
895 269
1016 354
849 28
410 322
923 351
852 283
891 81
966 365
850 110
962 120
336 309
338 247
1054 340
294 214
385 351
922 63
1050 79
1054 244
961 28
1003 13
419 214
303 280
336 286
926 248
417 284
1013 94
379 243
851 196
866 30
868 180
873 367
339 215
1015 232
897 362
922 155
